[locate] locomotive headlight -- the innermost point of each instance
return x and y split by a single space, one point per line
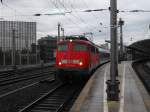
81 63
59 63
70 40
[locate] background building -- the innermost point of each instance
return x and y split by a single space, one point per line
47 46
18 43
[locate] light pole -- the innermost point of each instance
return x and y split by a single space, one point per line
113 84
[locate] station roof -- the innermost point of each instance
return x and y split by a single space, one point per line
142 46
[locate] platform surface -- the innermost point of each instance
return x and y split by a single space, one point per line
133 96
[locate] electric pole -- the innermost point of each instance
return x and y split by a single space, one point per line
121 23
113 84
63 33
27 48
58 38
13 49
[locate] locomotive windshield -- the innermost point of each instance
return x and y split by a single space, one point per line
80 47
62 47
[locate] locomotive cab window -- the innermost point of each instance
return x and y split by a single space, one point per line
80 47
62 47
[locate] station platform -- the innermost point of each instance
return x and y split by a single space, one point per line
133 95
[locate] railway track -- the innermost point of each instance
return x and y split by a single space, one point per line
26 76
54 95
9 102
5 74
33 84
53 101
143 71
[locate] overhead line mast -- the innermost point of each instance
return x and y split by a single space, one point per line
113 83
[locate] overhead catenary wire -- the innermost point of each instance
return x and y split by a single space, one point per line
93 27
80 19
77 17
92 12
57 7
71 13
55 2
15 11
99 23
134 11
121 11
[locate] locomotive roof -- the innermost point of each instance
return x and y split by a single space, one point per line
86 42
82 39
76 40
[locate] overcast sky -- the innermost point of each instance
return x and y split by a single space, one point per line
136 24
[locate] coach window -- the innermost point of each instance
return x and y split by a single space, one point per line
93 49
97 50
80 47
62 47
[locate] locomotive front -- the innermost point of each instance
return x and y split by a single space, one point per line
72 58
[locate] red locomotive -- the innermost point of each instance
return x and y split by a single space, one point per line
78 57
